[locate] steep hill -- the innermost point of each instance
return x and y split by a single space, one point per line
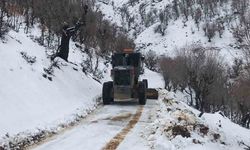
30 97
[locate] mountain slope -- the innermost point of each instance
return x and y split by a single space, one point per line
141 19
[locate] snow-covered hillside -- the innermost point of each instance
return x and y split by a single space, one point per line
31 99
178 34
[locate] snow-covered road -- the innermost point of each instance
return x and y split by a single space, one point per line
121 121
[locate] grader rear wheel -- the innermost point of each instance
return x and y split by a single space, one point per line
142 93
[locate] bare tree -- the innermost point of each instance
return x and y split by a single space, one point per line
220 26
210 30
197 17
175 10
197 69
164 17
3 27
151 60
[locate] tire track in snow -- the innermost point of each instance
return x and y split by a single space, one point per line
114 143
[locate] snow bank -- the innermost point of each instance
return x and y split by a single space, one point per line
177 126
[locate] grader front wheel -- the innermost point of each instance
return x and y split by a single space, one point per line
107 96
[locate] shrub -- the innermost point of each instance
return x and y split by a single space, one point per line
151 60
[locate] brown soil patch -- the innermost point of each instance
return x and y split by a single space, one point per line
181 130
204 130
121 117
216 136
195 141
114 143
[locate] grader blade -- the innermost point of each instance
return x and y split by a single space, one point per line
152 93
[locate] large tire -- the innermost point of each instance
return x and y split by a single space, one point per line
145 81
142 93
107 93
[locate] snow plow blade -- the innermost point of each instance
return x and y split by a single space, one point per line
152 93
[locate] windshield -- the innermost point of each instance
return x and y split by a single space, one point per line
133 59
118 60
121 59
122 77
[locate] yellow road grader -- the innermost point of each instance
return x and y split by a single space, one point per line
127 66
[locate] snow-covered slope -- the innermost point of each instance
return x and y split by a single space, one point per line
31 98
178 34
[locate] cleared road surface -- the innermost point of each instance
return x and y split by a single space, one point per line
117 126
